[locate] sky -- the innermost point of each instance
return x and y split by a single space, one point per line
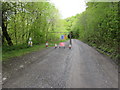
69 8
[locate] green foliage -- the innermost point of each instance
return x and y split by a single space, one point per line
19 52
98 26
30 19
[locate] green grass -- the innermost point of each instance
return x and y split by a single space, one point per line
15 51
20 52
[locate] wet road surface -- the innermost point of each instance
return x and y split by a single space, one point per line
80 67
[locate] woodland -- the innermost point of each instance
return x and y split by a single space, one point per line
98 26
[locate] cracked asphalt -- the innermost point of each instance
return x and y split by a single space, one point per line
80 67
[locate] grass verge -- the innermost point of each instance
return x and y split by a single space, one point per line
19 52
15 51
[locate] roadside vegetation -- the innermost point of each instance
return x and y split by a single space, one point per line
19 50
6 55
98 26
24 20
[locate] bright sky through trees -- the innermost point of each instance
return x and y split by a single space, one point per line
69 8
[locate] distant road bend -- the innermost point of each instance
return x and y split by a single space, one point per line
80 67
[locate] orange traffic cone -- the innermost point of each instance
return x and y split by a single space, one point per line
70 46
55 45
46 43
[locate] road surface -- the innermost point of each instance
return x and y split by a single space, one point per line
80 67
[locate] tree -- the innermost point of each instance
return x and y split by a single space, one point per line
22 20
98 26
5 13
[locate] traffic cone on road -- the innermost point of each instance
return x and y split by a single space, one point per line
55 45
46 44
70 46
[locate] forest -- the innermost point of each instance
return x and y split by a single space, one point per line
98 26
24 20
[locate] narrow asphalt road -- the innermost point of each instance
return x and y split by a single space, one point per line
80 67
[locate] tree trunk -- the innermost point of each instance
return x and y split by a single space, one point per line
5 34
15 28
3 39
